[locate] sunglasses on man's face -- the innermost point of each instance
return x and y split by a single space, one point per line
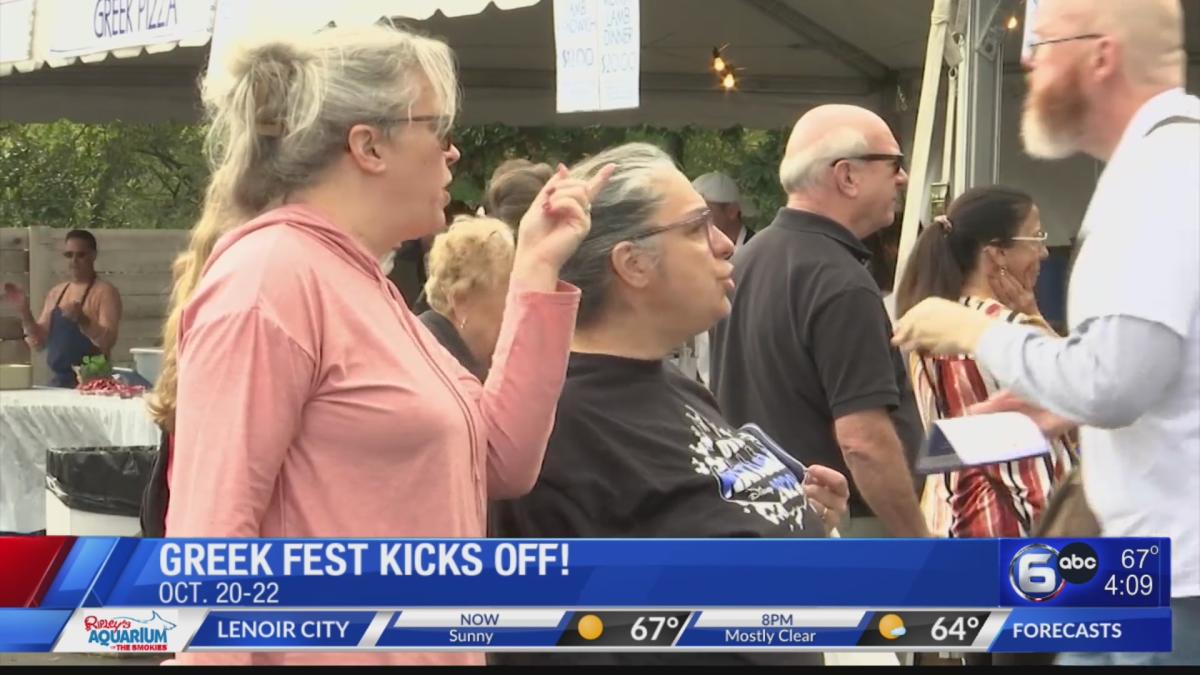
896 160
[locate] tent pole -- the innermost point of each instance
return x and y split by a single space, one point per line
914 203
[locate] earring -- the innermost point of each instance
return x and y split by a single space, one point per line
1003 271
462 324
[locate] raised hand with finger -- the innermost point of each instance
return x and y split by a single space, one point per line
555 225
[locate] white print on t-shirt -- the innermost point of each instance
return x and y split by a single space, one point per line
747 474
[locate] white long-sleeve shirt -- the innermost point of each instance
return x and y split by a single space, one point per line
1130 372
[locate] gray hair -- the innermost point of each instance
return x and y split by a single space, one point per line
624 207
804 169
280 112
278 115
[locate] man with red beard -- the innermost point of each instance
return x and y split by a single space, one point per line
1106 79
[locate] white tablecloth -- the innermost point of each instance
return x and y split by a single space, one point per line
33 420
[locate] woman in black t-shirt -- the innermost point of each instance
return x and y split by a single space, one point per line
638 449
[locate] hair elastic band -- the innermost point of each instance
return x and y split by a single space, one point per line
945 222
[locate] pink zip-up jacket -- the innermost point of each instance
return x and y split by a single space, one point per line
313 403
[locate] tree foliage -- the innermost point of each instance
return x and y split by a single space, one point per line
122 175
100 175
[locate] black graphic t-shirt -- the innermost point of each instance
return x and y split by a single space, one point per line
640 450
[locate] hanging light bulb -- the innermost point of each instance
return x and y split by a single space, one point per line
729 82
1012 23
718 63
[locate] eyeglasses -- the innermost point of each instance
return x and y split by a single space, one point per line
1039 238
691 224
76 254
896 160
1033 46
443 122
441 126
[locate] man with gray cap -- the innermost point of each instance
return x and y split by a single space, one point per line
725 202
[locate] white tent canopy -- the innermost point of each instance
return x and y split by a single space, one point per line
57 33
791 54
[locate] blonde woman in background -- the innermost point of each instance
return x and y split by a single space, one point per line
469 267
304 398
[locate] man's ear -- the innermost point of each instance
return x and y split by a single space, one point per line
845 179
1105 61
363 141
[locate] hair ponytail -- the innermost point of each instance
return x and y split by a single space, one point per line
947 252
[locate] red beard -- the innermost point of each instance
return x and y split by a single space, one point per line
1054 117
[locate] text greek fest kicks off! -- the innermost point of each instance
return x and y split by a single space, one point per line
602 596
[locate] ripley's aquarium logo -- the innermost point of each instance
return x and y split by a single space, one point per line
1039 572
127 634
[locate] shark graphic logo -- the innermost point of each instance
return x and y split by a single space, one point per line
129 634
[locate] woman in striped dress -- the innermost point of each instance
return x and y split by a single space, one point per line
986 253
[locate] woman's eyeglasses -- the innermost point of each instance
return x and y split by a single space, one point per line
440 125
692 223
1039 238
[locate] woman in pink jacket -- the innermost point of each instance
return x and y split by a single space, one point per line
305 399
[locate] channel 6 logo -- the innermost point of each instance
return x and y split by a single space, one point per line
1039 572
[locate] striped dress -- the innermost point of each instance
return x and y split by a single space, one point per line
998 500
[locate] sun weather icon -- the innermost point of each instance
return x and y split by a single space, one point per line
891 627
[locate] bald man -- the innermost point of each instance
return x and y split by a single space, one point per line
1106 79
806 352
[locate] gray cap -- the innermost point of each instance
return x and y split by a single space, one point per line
721 189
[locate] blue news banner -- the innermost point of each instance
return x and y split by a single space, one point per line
142 595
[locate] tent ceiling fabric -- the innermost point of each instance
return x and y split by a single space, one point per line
64 32
37 24
507 61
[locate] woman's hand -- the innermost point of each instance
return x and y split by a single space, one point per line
830 490
1016 293
556 223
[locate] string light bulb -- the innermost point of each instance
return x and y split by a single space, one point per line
1012 23
729 82
718 63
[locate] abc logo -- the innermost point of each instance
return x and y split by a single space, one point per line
1039 572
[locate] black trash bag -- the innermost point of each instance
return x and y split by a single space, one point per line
100 480
157 494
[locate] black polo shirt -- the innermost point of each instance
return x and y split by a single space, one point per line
809 341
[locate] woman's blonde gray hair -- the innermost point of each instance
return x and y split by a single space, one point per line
278 116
